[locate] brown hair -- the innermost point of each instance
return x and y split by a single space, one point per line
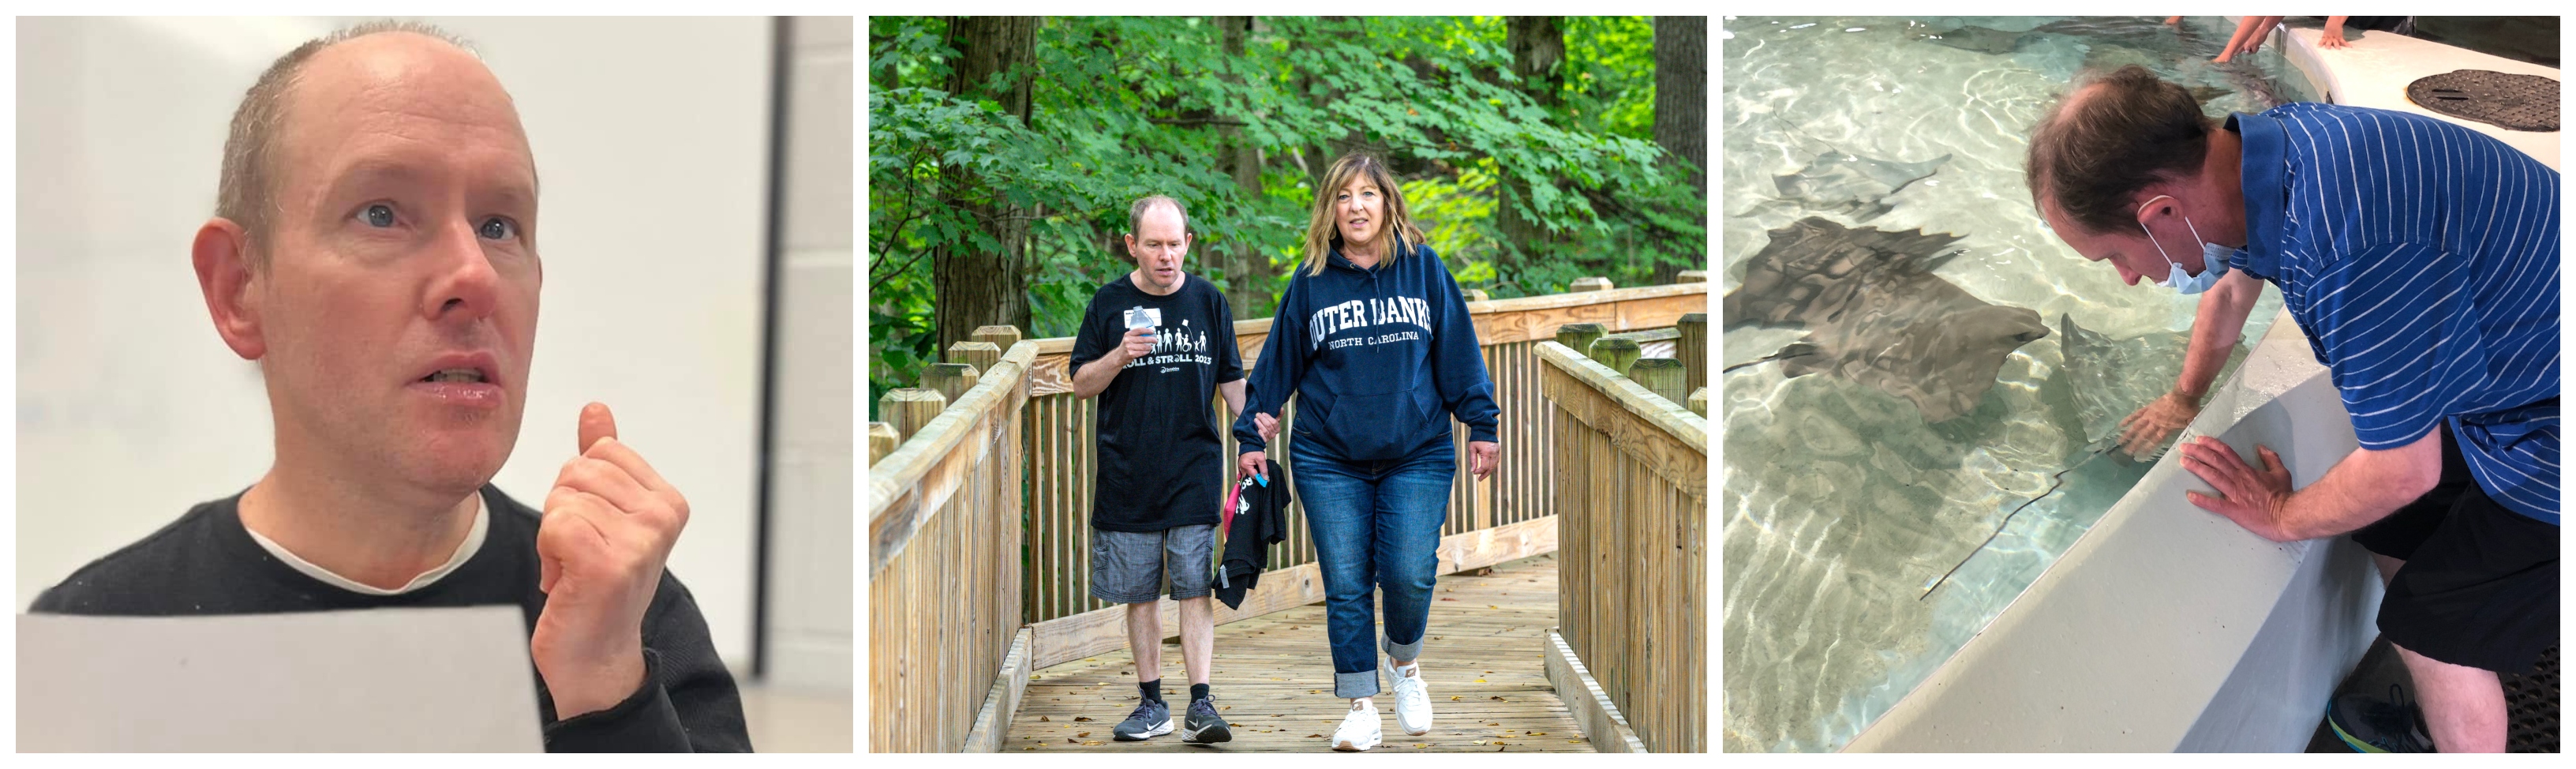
245 192
1322 235
2110 137
1136 214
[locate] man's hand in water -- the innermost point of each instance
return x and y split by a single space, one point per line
2141 432
609 524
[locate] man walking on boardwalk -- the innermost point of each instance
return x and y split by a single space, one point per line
1157 347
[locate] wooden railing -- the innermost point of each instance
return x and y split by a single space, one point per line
1061 442
944 561
1631 488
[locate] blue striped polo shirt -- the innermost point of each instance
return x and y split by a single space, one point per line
2421 258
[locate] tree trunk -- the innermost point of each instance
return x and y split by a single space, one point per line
1681 106
971 286
1681 92
1537 45
1247 270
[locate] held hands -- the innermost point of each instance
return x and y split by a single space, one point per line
609 524
2252 497
2142 431
1138 343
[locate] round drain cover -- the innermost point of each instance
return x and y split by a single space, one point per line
2517 102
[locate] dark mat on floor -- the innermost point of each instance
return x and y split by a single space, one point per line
2531 701
2517 102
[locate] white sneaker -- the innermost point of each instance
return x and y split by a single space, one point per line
1412 701
1359 730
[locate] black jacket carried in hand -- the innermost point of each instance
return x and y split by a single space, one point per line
1260 520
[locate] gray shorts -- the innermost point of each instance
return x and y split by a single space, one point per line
1128 566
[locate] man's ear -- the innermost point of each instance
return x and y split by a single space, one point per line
222 257
1131 246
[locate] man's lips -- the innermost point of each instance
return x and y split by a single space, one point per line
469 379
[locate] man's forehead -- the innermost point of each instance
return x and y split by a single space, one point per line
391 81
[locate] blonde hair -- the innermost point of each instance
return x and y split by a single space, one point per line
1322 229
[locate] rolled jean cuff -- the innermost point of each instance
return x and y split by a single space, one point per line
1352 685
1407 652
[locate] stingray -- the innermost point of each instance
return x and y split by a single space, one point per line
2113 378
1875 314
1976 38
1856 185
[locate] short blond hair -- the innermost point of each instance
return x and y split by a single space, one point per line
246 191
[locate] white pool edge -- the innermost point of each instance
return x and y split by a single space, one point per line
2167 627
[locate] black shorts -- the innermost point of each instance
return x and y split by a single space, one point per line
2480 584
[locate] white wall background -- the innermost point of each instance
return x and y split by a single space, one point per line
811 462
651 137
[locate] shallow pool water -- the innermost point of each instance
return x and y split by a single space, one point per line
1840 502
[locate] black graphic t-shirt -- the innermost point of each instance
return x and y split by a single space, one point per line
1161 463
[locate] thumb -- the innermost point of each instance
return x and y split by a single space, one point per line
596 423
2271 460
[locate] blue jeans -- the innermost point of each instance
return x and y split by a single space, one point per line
1377 528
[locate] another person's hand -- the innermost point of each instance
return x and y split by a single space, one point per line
1267 425
2151 425
2223 56
2332 37
1251 464
1138 343
1482 456
609 525
2252 497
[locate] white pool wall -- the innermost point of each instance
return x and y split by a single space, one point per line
2170 628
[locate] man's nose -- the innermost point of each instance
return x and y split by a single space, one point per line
2127 275
465 286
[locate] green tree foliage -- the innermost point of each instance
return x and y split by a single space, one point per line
1129 107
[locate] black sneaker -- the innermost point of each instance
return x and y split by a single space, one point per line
2371 725
1151 719
1204 726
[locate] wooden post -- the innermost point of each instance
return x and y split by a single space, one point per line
1591 284
981 355
1578 336
881 441
1691 276
1614 352
1661 375
908 408
1699 401
1001 337
1478 295
1692 349
950 379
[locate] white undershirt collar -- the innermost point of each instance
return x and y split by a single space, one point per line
464 552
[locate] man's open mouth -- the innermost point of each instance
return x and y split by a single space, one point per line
456 375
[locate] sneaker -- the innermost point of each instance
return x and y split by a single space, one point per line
1359 730
2369 724
1151 719
1412 701
1204 726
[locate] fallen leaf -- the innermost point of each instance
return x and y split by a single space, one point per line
1435 638
1032 747
1314 691
1453 698
1044 718
1538 734
1480 742
1095 742
1228 707
1491 606
1314 735
1072 740
1034 676
1084 734
1494 698
1087 718
1444 599
1421 745
1480 680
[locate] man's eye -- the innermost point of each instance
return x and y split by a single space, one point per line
497 228
377 215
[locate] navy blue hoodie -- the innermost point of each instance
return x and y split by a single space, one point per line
1379 357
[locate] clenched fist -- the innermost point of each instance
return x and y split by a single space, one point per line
609 524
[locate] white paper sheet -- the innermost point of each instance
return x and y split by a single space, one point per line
384 680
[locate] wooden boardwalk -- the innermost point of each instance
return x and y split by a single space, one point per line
1273 680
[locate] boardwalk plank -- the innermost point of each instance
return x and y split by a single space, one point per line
1273 679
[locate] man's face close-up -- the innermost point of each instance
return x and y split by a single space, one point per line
398 304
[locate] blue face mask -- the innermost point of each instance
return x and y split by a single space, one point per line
2213 259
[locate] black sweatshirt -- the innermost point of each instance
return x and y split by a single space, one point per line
206 563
